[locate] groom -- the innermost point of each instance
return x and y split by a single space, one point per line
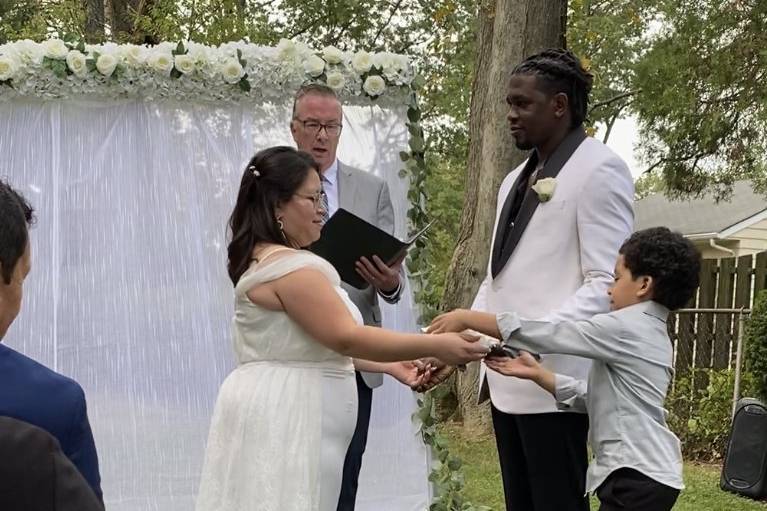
561 217
552 257
316 128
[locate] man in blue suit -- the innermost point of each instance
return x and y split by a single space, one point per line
29 391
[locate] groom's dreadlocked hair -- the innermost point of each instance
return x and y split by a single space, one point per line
560 70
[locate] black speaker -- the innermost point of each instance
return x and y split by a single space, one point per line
745 465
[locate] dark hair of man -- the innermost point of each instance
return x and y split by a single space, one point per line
669 258
16 215
271 178
559 70
316 89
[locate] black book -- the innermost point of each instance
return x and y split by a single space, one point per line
346 238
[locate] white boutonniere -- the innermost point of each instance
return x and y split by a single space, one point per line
545 188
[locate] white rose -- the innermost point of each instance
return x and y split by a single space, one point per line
286 50
402 62
184 63
332 55
161 62
361 62
314 65
335 80
232 71
55 49
9 65
374 85
134 55
106 64
76 63
29 51
384 61
545 188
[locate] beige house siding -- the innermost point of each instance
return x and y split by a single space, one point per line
753 238
709 252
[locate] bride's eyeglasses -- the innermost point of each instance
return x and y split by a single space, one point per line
317 198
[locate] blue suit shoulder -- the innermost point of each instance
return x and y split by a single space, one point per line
34 393
17 369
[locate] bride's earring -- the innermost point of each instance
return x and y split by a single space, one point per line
282 230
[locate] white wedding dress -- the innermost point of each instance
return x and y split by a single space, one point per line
284 418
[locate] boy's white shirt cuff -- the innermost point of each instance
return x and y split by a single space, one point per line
569 393
507 323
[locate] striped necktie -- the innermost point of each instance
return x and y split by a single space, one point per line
325 207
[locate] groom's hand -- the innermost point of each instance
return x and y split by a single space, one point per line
377 274
439 373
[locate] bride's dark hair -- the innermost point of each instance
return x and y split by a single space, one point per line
271 178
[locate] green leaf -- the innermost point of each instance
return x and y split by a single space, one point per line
81 46
418 82
402 173
244 84
404 155
180 50
416 144
90 64
175 73
414 114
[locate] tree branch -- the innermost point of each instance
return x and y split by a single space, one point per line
393 10
615 98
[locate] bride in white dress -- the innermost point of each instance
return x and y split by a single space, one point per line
284 418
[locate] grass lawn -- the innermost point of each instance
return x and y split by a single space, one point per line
483 478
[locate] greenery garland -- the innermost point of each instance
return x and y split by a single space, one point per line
447 474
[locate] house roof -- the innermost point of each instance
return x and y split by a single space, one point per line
699 216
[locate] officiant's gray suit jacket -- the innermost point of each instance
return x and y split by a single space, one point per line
367 196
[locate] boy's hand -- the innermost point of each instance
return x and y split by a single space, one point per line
453 321
524 366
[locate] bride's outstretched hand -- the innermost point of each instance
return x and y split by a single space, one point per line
452 321
438 373
413 374
455 349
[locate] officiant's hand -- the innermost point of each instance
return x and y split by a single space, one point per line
377 274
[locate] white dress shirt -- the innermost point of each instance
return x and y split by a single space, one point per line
630 375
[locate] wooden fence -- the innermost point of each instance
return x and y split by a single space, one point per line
707 339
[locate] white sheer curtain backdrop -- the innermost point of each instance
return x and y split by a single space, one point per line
129 293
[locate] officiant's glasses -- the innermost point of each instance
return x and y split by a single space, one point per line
317 198
312 126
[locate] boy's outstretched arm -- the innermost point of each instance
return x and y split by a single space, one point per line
569 393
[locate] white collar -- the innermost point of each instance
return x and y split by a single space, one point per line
331 174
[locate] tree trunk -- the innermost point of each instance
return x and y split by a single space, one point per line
94 21
508 31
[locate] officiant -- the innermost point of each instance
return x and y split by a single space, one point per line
316 126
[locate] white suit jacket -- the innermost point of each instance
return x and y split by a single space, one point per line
562 264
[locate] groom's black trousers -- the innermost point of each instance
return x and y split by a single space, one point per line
353 461
543 460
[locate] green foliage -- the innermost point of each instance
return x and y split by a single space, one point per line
447 472
647 184
610 39
700 410
703 109
755 340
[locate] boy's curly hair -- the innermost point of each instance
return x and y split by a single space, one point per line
669 258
